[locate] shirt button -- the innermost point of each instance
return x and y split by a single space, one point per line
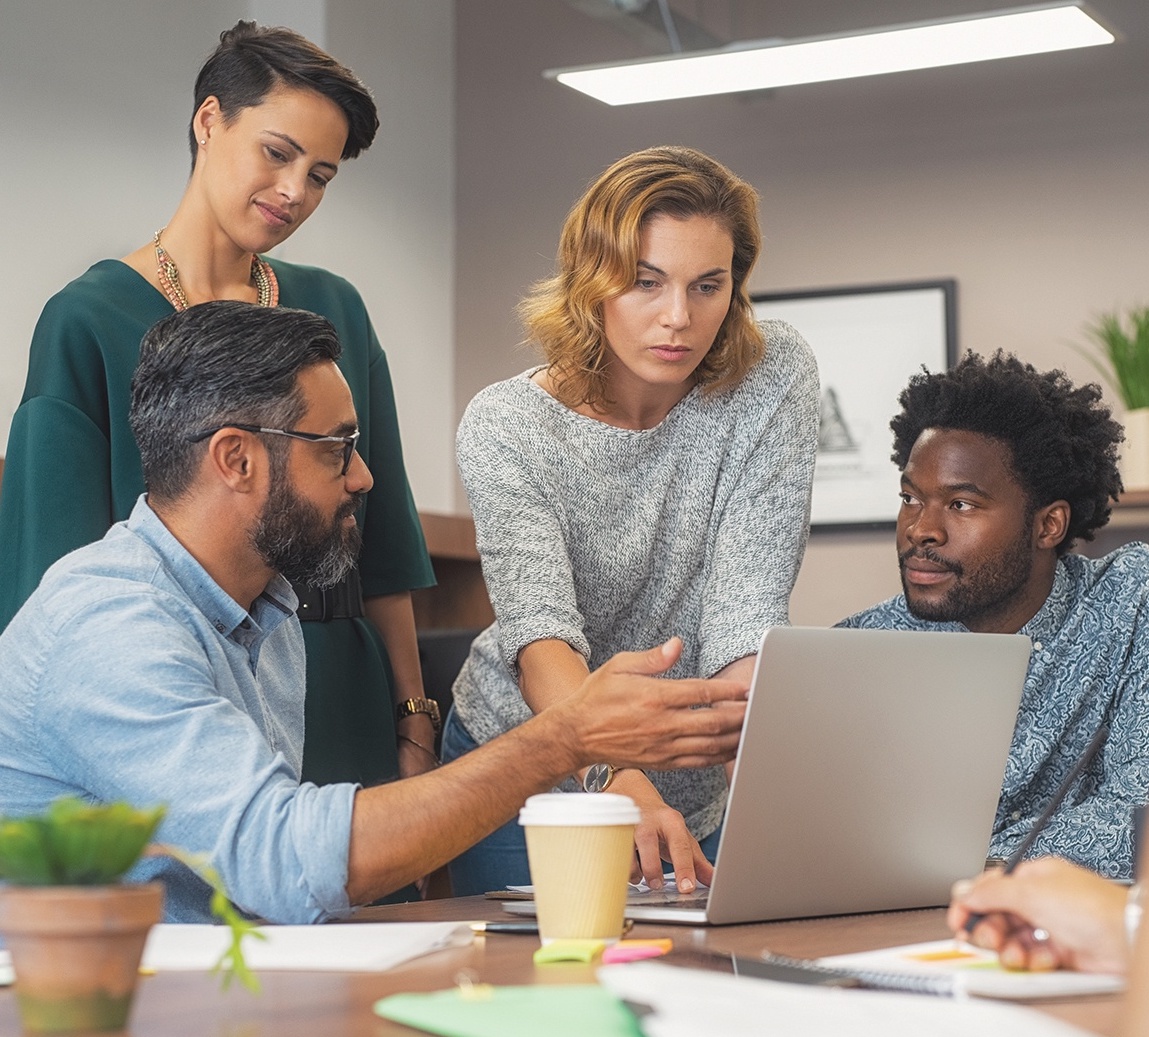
1016 815
1038 646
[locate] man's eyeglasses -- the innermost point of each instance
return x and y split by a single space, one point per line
349 442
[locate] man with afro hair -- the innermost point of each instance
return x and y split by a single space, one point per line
1003 469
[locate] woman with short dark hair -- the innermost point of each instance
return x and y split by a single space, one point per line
274 116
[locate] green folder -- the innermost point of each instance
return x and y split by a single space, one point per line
574 1010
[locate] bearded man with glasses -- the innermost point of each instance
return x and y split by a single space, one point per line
165 662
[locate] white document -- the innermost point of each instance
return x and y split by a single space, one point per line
356 947
6 973
689 1002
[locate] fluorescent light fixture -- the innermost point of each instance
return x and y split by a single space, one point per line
768 64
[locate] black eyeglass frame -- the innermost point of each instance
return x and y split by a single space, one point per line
349 442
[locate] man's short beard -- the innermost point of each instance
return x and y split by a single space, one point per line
978 594
293 538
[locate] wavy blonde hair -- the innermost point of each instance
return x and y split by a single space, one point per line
598 257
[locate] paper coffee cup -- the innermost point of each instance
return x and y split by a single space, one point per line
580 847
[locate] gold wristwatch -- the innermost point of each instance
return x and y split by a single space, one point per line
409 707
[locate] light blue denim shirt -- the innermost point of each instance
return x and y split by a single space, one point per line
130 674
1089 666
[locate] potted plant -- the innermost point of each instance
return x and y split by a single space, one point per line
75 931
1124 362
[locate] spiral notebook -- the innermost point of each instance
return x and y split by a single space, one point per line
950 967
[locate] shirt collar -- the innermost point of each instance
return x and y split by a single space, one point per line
276 603
1050 618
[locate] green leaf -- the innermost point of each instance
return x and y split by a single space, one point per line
93 843
231 964
75 843
23 857
1121 352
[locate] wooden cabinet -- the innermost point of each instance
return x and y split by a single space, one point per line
460 600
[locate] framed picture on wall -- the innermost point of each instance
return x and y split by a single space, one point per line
868 341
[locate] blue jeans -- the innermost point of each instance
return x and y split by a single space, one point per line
500 860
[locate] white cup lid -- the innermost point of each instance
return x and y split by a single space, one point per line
579 808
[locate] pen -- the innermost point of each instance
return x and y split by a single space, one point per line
523 928
1022 849
526 928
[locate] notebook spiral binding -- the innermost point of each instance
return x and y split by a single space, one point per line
803 970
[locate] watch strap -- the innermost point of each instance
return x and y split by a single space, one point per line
428 707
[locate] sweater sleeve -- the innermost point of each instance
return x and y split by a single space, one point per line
57 490
518 532
761 535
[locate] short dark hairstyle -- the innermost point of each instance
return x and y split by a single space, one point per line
1061 439
213 364
251 60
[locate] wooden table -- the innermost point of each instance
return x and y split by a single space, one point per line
309 1004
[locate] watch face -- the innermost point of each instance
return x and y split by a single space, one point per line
598 777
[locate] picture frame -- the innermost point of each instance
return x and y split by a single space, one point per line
868 340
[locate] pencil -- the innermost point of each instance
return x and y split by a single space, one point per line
1055 801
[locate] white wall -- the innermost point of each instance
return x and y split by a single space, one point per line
389 225
94 102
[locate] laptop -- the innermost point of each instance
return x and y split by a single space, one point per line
867 777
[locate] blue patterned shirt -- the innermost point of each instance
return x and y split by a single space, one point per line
1090 666
131 674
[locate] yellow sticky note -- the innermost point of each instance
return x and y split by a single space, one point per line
569 950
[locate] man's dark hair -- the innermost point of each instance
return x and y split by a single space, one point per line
214 364
1062 440
252 60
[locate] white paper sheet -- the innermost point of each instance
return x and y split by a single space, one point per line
689 1002
6 973
358 947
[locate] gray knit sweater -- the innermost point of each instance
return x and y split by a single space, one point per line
615 540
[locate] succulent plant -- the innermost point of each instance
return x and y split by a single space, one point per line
76 843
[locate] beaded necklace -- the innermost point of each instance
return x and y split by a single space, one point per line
266 284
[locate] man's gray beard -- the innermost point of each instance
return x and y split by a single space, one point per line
292 538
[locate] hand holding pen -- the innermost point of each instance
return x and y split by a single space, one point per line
1070 780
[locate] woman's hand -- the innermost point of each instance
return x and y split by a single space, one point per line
1078 917
660 836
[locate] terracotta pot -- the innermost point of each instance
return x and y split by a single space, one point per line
76 951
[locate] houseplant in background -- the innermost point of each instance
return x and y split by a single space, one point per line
1123 345
75 930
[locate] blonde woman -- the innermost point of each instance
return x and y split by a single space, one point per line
650 480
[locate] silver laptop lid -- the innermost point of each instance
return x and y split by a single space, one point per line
869 770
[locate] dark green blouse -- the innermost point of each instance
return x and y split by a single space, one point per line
72 469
